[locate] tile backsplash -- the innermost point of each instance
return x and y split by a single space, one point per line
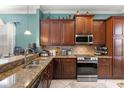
76 50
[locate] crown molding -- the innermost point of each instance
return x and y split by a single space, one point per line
81 12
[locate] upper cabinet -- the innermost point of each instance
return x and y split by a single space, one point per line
45 32
57 32
67 32
83 24
99 32
118 24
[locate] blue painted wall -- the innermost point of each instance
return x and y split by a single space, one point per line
21 39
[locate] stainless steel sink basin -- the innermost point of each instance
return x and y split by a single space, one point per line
31 65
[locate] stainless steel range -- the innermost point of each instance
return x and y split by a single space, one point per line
87 68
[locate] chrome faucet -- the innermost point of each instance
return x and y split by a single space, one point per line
26 52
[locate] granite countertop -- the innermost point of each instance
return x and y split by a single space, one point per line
4 61
22 78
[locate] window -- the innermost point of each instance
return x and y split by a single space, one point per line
7 39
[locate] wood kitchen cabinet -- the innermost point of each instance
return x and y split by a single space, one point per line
57 69
55 32
47 75
99 32
118 60
115 44
45 32
68 68
105 68
83 24
64 68
67 32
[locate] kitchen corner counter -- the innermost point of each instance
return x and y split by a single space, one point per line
24 77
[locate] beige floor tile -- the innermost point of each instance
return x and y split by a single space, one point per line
101 83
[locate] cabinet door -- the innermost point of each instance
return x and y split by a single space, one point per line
68 68
84 25
50 73
55 32
44 37
88 25
118 57
80 25
105 68
67 29
118 26
57 69
44 79
99 32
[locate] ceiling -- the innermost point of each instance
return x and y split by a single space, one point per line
18 9
95 9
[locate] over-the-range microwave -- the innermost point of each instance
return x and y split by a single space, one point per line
83 39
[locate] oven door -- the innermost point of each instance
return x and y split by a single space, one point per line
87 72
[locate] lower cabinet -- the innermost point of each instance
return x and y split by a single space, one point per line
47 75
105 68
64 68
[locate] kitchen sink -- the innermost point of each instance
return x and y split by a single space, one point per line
31 65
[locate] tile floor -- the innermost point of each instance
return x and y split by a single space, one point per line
101 83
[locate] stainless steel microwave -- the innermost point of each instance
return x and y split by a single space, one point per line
84 39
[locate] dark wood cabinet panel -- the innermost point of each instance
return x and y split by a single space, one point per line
64 68
80 25
44 33
118 26
115 44
47 75
118 44
57 69
99 32
68 68
67 31
55 32
84 24
109 36
105 68
44 79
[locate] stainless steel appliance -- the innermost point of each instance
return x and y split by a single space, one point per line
87 68
84 39
44 53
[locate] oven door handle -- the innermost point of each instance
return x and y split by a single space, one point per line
87 62
87 75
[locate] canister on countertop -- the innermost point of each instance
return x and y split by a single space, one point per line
58 51
63 52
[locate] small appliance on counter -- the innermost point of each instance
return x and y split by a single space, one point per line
44 53
101 50
52 52
69 51
63 52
